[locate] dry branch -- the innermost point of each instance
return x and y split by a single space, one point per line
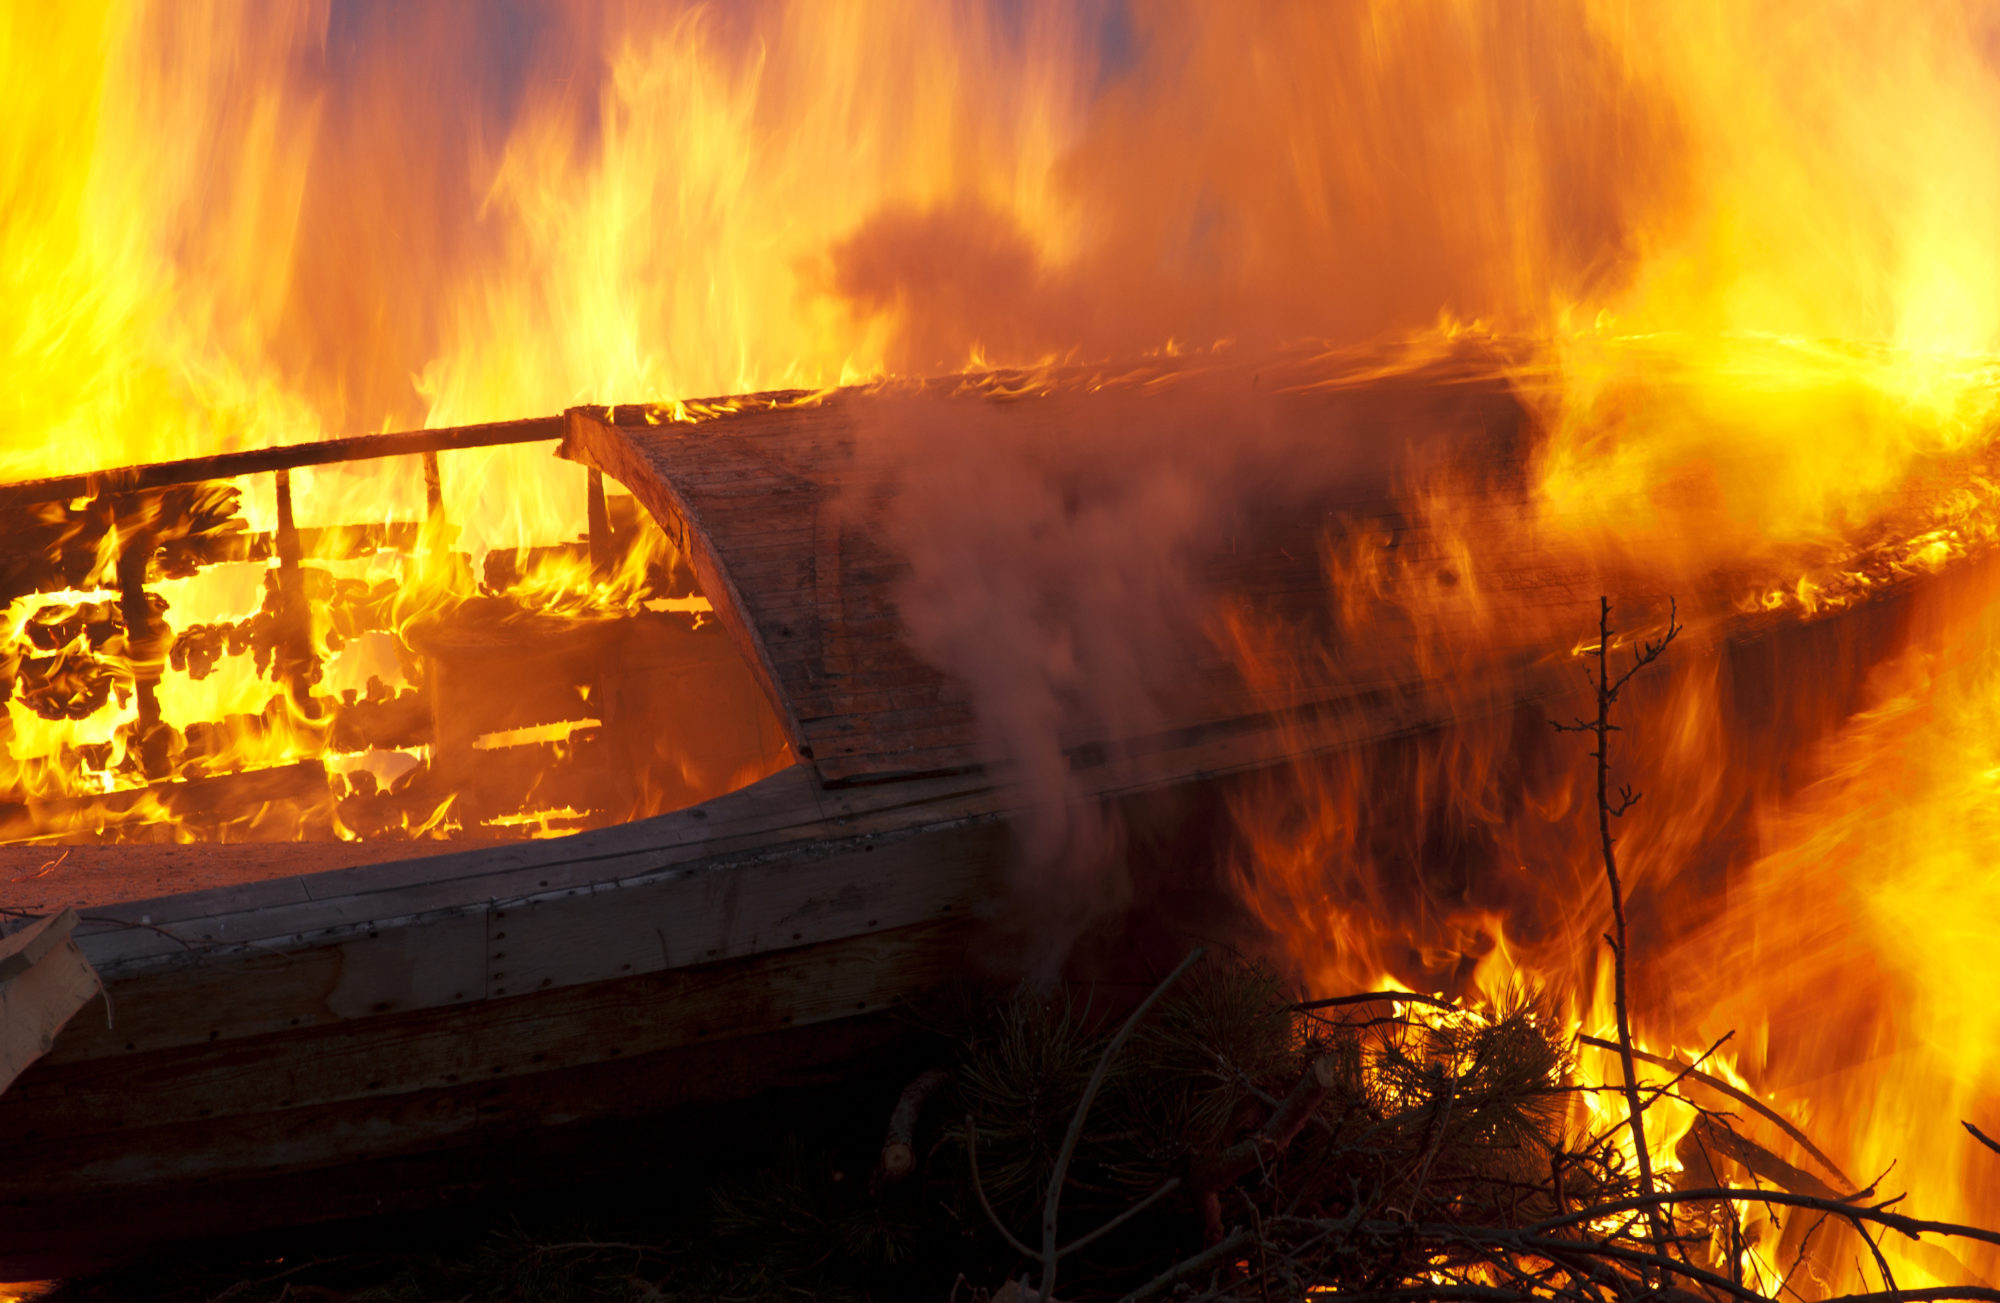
1717 1084
1053 1201
1607 688
899 1156
1761 1162
1286 1121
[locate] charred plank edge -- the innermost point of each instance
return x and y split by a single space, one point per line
770 816
342 961
25 949
228 465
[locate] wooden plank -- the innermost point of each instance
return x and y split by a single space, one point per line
839 702
890 723
883 624
779 546
829 598
924 726
787 590
919 731
782 807
376 1125
341 959
915 764
896 880
436 1049
525 1133
211 992
763 496
44 982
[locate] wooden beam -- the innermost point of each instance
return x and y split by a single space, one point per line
228 465
202 799
401 1054
319 963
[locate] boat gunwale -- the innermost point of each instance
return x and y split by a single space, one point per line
196 925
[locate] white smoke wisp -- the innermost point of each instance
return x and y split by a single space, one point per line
1054 551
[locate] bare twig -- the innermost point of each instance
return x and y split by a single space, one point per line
243 1286
979 1188
1881 1259
1165 1188
1601 729
1667 1087
1440 1118
48 867
1929 1295
1743 1097
1050 1256
1188 1268
1377 997
1762 1162
1527 1241
1284 1124
1880 1213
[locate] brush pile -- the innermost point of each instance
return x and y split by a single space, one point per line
1228 1143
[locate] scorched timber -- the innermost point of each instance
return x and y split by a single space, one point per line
318 1037
219 466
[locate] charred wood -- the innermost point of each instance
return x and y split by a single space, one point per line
383 722
200 802
899 1156
228 465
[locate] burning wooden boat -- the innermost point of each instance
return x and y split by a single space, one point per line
310 1028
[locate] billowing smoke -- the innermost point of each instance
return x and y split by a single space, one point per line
1058 558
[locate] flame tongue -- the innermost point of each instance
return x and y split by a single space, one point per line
1799 873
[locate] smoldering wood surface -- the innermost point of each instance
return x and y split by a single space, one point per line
782 510
786 507
774 503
